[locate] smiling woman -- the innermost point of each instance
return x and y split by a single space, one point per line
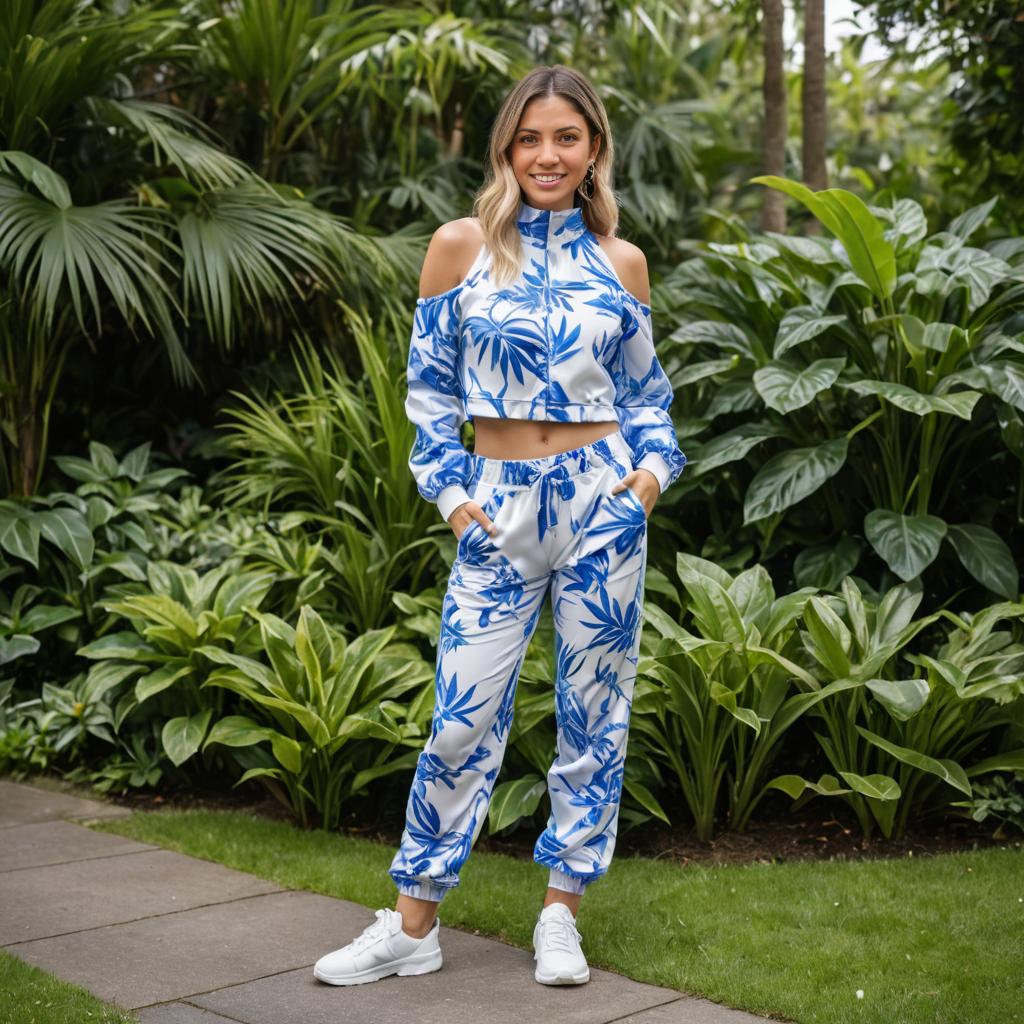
533 321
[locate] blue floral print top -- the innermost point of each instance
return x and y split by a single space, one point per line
564 342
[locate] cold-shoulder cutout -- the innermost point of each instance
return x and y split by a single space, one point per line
644 306
455 289
446 249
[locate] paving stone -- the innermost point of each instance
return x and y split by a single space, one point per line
23 805
175 956
690 1010
61 898
184 941
60 842
180 1013
481 980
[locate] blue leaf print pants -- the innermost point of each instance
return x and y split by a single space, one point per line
558 527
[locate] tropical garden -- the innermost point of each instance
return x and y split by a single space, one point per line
219 580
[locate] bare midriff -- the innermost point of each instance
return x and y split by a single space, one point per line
498 438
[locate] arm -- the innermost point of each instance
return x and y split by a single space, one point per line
439 462
643 393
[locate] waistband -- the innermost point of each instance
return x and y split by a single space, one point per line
612 449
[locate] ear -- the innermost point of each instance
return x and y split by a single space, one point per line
595 146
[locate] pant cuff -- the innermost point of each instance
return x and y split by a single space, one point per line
566 882
424 890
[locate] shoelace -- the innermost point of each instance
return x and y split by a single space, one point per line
557 933
373 932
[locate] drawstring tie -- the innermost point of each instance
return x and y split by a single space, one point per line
557 483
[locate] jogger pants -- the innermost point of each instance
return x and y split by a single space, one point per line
558 526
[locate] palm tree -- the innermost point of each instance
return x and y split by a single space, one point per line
773 212
116 210
814 99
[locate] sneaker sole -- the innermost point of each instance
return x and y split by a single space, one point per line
423 963
562 979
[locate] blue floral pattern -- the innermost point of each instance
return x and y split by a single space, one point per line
559 528
564 342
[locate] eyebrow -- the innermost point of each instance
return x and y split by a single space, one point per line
568 127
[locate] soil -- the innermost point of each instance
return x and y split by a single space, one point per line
809 834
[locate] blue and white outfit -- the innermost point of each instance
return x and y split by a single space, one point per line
564 342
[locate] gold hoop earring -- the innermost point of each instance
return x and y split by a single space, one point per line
588 180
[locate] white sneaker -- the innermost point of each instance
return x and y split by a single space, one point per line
560 960
382 949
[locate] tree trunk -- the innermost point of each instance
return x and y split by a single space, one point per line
814 101
773 210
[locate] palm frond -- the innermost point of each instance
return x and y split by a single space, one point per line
84 254
177 137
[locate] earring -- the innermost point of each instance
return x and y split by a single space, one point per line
588 180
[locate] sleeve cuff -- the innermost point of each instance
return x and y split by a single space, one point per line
655 464
450 499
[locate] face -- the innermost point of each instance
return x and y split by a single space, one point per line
551 139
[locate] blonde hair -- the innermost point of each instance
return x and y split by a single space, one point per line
497 202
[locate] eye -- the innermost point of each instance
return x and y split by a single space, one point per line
530 137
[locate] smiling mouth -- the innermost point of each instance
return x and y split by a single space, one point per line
548 177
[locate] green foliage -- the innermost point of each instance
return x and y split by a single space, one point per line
333 459
902 742
713 704
1001 799
330 710
176 621
40 732
865 383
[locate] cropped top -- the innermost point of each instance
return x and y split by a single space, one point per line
565 341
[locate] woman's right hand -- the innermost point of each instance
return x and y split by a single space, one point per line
461 518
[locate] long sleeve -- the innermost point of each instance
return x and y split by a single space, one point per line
439 461
643 397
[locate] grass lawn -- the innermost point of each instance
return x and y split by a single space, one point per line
31 996
935 939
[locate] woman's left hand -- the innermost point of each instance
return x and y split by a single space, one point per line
644 484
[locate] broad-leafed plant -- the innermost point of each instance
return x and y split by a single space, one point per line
333 711
903 744
866 392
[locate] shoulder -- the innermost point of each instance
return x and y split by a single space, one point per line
630 264
453 247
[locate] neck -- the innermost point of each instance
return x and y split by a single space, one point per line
547 228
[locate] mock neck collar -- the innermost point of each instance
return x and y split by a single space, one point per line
550 227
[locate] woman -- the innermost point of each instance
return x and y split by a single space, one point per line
533 322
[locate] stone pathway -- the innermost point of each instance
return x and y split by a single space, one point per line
183 941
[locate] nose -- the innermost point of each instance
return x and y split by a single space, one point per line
547 156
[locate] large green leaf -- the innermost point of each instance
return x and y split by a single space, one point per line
903 698
877 787
825 566
861 234
946 769
987 557
794 785
1009 761
907 544
68 530
787 388
727 698
242 731
183 736
791 476
645 798
731 446
19 535
515 799
830 638
958 403
800 324
165 676
125 645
